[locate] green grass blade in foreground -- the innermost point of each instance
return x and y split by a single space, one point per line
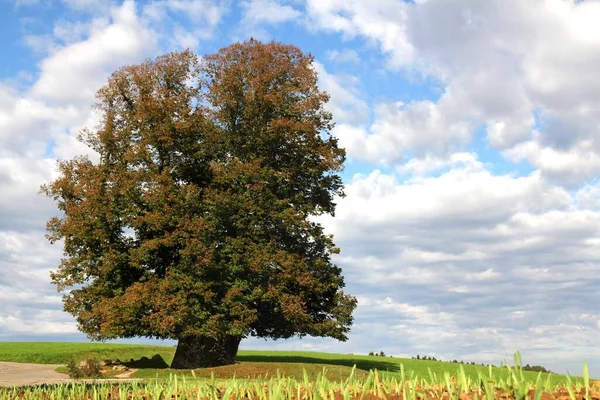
570 387
539 387
369 387
586 381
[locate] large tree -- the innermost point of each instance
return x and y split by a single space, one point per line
197 221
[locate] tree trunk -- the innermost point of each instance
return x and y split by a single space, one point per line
204 351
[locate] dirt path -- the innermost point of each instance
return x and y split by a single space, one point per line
22 374
19 374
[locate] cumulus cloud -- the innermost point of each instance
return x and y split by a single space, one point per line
74 73
345 102
502 63
29 304
472 265
429 164
569 167
257 16
21 209
381 20
268 12
183 23
345 55
208 13
419 128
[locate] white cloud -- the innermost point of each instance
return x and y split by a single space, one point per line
30 304
429 163
381 20
569 167
184 23
267 12
208 13
504 262
345 103
419 127
345 55
48 321
501 62
184 39
461 196
73 73
588 197
70 32
21 207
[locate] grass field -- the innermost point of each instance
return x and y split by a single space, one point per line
291 376
250 363
63 352
371 387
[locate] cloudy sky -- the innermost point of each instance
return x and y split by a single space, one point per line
471 226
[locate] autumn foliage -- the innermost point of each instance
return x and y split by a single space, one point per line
196 221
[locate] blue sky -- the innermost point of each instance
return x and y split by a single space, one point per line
471 226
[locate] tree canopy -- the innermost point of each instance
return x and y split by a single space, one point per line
197 222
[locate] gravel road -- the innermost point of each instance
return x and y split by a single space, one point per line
22 374
19 374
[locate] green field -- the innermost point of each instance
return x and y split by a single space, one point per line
63 352
288 376
250 363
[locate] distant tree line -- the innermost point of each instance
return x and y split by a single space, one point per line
534 368
418 357
527 367
380 354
